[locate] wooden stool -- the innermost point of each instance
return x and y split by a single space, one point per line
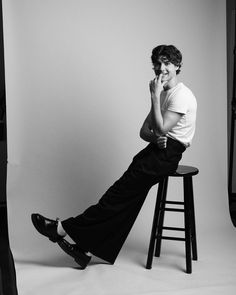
186 172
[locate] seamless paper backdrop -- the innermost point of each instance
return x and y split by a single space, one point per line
77 75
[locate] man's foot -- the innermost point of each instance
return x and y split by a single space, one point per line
46 227
74 251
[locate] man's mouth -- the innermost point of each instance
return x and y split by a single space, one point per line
164 75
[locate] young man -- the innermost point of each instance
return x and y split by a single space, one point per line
169 128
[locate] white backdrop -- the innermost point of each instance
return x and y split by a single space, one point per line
77 76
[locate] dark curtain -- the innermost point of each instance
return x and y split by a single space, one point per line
7 267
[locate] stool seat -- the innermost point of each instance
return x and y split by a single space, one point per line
183 170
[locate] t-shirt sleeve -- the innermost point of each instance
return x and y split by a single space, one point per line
178 103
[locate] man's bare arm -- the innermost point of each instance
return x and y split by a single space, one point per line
146 132
161 124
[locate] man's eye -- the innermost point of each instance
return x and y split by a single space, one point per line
157 66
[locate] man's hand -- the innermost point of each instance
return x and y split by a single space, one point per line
162 142
156 86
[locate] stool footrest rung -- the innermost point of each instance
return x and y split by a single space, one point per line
172 209
174 202
170 238
173 228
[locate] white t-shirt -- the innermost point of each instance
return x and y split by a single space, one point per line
180 99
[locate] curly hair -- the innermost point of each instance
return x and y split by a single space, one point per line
170 52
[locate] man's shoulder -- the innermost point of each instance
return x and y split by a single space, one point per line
183 91
181 87
182 97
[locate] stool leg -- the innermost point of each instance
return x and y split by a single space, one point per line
154 225
161 219
187 223
193 225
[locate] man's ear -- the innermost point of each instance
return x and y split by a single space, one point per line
176 68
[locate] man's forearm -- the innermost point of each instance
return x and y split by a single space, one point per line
157 119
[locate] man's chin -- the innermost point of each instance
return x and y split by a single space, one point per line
163 79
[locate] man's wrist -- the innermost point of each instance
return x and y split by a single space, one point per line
154 137
155 97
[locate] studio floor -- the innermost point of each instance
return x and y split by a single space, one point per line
214 272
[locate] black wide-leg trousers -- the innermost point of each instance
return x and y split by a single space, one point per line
103 228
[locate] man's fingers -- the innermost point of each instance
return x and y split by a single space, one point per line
162 142
162 139
159 77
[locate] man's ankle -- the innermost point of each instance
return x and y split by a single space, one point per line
60 229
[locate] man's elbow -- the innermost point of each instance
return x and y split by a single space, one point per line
141 133
158 131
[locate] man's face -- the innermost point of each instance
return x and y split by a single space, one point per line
166 68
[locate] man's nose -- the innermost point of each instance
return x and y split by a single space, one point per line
162 67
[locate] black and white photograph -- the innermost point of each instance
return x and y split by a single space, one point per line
117 147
